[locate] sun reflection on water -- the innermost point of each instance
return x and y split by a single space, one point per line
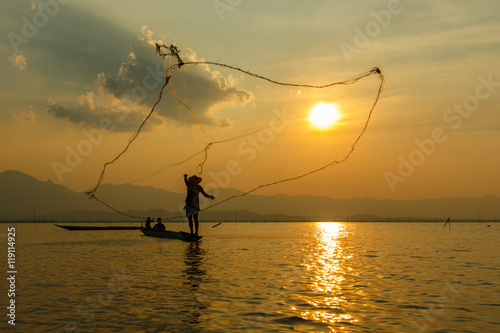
328 265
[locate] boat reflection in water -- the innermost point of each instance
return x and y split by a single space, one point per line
328 266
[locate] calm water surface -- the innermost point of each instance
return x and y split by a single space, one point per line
259 277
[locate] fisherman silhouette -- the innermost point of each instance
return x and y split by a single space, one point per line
192 206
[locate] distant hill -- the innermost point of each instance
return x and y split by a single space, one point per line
23 196
486 207
141 198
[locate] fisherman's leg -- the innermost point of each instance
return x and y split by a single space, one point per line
190 218
196 223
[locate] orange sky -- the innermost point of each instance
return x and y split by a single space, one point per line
78 79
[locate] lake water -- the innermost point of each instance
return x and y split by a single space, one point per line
258 277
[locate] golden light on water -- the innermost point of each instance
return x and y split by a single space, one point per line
330 275
329 231
328 265
324 115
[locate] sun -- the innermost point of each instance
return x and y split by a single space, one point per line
324 115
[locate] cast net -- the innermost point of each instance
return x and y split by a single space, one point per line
238 130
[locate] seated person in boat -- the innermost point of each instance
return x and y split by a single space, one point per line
159 227
192 206
148 223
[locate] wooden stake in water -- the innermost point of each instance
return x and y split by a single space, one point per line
448 222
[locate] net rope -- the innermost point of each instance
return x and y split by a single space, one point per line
171 54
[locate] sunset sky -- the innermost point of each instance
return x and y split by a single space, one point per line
78 77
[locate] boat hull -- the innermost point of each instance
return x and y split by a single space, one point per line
185 236
76 227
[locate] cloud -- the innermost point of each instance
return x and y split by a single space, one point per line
25 115
86 116
65 41
18 60
133 89
140 77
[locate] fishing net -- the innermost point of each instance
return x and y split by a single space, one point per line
247 139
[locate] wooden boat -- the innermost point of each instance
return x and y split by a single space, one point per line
76 227
185 236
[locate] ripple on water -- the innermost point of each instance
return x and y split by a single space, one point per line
300 324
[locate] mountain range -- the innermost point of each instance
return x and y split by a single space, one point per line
23 197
